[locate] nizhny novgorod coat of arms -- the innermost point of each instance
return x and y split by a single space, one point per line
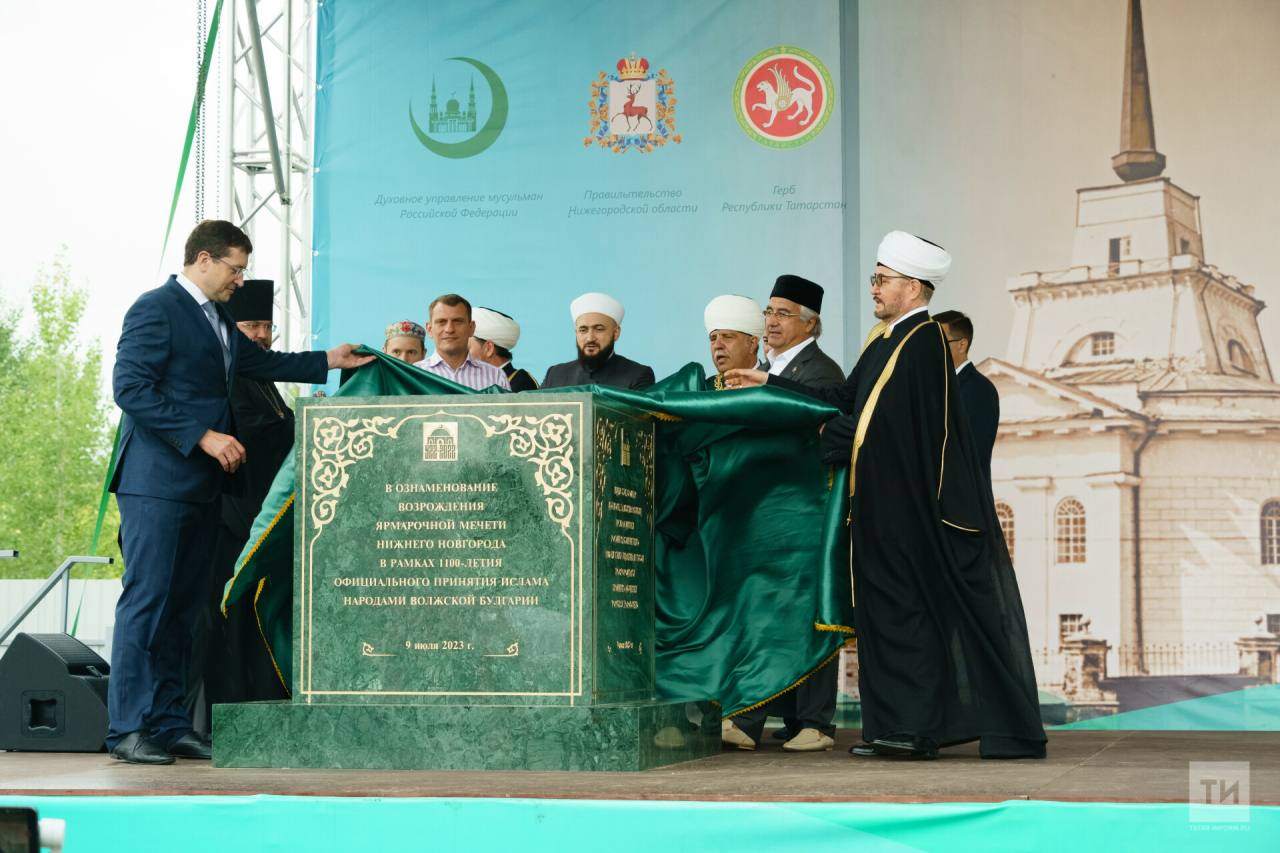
633 109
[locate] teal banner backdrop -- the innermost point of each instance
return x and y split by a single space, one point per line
521 154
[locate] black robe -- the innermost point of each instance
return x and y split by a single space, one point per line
942 638
519 380
230 659
617 372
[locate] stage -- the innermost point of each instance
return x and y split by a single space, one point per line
1113 789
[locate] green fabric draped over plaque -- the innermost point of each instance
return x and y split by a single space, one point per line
752 553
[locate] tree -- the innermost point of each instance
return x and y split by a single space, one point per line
56 428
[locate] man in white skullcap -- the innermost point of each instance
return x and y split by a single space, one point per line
735 325
597 322
496 335
943 653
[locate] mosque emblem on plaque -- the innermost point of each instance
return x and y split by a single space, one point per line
632 109
440 441
784 97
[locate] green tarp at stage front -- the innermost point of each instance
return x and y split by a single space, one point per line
195 824
1256 709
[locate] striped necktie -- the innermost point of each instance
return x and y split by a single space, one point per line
214 320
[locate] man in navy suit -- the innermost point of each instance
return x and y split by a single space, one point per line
981 400
178 354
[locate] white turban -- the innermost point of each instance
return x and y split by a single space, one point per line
497 327
597 303
737 313
909 255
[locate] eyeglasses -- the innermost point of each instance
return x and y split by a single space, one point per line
253 327
241 271
781 315
878 279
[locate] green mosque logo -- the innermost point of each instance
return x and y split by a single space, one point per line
454 120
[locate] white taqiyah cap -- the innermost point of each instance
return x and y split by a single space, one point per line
737 313
497 327
597 303
909 255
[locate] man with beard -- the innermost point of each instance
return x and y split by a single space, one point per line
943 652
735 325
451 327
792 327
495 336
229 660
597 320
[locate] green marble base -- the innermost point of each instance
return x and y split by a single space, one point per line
625 736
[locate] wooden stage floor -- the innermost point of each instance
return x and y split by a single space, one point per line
1083 766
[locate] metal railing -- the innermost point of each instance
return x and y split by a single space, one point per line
63 574
1180 659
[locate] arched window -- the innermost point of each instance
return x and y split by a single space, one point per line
1005 513
1238 355
1071 533
1270 533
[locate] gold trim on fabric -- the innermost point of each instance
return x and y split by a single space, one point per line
947 376
663 416
865 419
718 382
256 545
878 330
262 583
958 527
792 687
841 629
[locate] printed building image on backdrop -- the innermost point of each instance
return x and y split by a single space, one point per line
1137 470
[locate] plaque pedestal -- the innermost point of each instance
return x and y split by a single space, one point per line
473 589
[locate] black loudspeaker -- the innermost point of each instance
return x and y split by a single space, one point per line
53 695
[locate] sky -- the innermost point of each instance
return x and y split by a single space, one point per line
94 100
979 118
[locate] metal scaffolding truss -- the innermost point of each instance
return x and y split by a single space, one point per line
269 85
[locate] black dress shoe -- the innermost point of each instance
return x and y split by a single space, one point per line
863 750
193 745
783 733
139 748
906 746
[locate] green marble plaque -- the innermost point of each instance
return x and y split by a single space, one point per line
473 550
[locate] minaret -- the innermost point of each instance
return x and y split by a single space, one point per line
471 104
1138 157
434 114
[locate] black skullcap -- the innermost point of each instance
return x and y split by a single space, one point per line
799 290
254 302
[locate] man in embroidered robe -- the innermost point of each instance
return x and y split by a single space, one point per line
943 652
735 325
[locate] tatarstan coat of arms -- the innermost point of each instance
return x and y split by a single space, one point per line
633 109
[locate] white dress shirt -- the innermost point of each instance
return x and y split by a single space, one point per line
198 295
962 366
895 323
778 361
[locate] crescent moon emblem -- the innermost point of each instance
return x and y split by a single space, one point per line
486 136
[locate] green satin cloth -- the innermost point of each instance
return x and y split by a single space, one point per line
752 554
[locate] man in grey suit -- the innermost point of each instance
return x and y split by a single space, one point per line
792 327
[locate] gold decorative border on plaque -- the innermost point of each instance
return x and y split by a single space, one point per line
546 441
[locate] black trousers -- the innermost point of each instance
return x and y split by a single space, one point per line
810 705
167 554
